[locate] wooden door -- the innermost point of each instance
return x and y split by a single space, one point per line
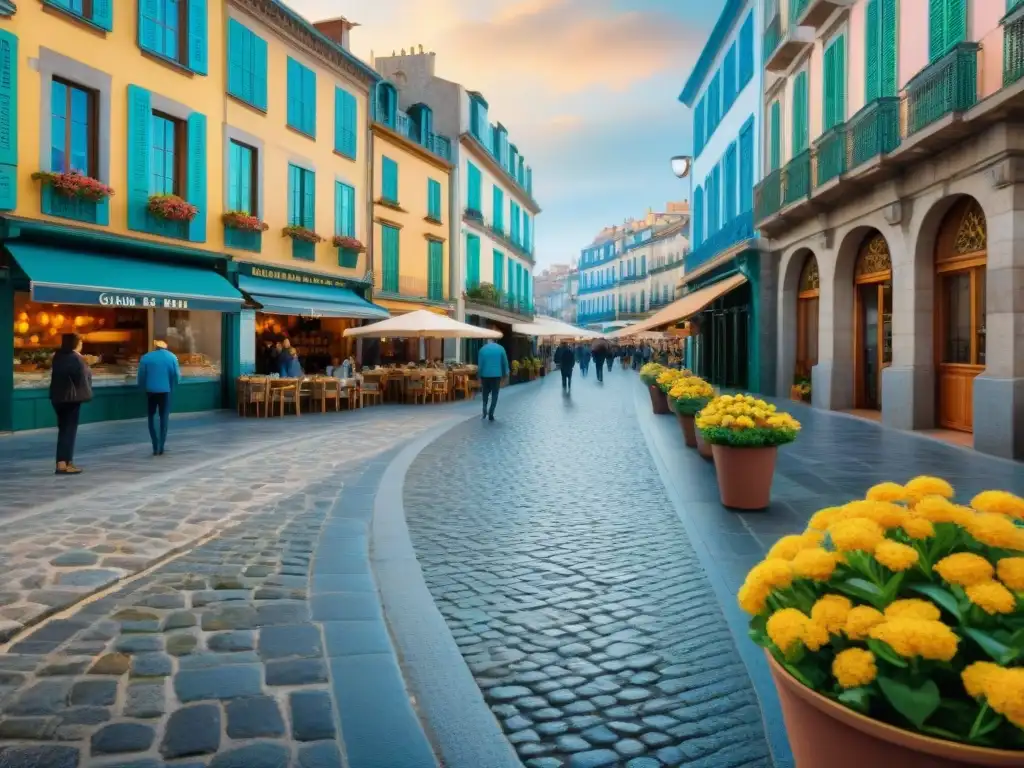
807 320
872 307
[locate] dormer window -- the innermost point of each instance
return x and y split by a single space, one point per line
387 104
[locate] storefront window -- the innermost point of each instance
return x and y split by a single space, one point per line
318 341
194 337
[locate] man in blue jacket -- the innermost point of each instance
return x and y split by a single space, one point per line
492 367
159 374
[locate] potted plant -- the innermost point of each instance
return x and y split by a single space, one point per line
801 390
346 243
515 371
744 434
687 397
171 208
893 628
649 376
303 234
659 392
74 184
244 222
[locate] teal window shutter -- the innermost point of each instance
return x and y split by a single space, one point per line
716 174
309 101
434 199
956 22
872 51
729 78
888 77
294 87
747 167
800 110
149 11
389 180
389 241
775 138
103 14
698 128
345 123
140 113
698 216
472 261
499 208
746 63
511 287
527 236
241 162
301 98
198 46
473 188
294 196
9 121
498 269
308 199
196 178
238 86
344 210
936 28
730 183
259 56
834 92
435 270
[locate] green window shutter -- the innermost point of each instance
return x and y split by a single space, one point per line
435 270
309 101
9 121
140 113
730 183
834 107
775 138
698 128
956 22
237 81
198 46
872 49
499 208
294 195
472 261
345 122
498 268
309 199
746 180
473 187
234 177
195 179
800 128
294 93
434 199
148 11
344 210
389 180
511 287
527 237
389 240
887 75
936 28
259 63
103 14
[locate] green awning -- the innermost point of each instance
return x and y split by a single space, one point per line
282 297
61 276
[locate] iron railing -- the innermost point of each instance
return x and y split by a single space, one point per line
387 284
874 130
1013 45
948 85
768 195
736 230
796 178
488 296
830 155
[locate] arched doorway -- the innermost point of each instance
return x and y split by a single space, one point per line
961 256
807 318
872 300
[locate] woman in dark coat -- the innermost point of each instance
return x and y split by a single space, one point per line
70 386
565 359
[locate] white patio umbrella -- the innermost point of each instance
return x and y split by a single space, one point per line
422 324
544 326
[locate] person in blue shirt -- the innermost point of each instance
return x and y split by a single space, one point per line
492 367
159 374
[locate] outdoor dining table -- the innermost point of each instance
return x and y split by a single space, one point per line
265 392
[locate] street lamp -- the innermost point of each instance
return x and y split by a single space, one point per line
681 166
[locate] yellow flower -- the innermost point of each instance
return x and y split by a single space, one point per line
858 533
745 422
815 636
817 564
753 597
821 519
854 667
917 637
886 492
885 513
992 597
996 531
917 527
912 608
923 486
999 503
895 556
965 569
831 611
786 628
1005 694
789 547
1011 572
762 579
939 510
977 677
861 620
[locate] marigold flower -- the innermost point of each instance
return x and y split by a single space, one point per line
786 628
856 534
996 531
992 597
977 676
1005 694
772 573
753 598
817 564
965 569
789 547
912 608
917 527
924 485
885 513
999 503
886 492
821 519
917 637
816 636
861 620
938 510
854 667
895 556
831 611
1011 572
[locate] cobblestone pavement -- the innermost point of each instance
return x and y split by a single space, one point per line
573 591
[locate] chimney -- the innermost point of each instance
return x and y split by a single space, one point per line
336 30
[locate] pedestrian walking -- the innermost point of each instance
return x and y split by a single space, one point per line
70 386
585 362
611 358
159 374
599 351
565 359
492 367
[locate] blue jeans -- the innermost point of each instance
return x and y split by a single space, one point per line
158 402
489 388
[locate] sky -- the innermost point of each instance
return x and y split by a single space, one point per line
588 90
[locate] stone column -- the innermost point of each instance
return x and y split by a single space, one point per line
785 323
999 391
832 377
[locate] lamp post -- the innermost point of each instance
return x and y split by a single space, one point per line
681 166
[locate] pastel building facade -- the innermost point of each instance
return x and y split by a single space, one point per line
891 202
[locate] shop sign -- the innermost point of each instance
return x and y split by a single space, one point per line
292 276
127 299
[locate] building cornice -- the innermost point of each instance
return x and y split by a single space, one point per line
716 40
303 34
411 146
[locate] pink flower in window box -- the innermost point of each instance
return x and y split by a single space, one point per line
75 184
302 233
244 221
171 208
346 243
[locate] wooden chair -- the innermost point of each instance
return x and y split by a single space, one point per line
371 390
438 387
416 388
329 390
284 391
460 385
241 389
348 393
474 385
255 396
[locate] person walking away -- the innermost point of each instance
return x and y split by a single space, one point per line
599 351
585 364
565 359
577 352
492 367
70 386
159 374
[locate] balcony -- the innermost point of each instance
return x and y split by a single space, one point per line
736 230
476 219
830 155
391 286
606 286
678 262
796 178
402 124
874 131
947 86
783 46
1013 44
768 196
487 296
634 278
603 316
814 13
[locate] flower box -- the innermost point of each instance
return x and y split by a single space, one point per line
75 185
171 208
244 221
474 215
302 233
346 243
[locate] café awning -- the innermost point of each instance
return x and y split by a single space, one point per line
684 308
62 276
280 297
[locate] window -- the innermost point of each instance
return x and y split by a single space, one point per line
175 30
301 197
242 185
747 166
729 78
499 208
698 217
775 137
345 119
800 117
169 23
72 129
344 210
947 26
880 49
472 261
834 91
433 199
746 63
98 12
510 289
729 196
247 65
389 244
714 97
514 228
167 156
498 268
527 237
473 188
435 270
389 180
301 98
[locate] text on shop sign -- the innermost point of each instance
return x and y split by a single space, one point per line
141 302
296 277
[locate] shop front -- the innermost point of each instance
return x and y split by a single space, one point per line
308 310
119 305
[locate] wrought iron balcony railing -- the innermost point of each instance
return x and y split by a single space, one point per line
389 284
948 85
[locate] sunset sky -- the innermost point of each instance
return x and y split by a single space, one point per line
587 89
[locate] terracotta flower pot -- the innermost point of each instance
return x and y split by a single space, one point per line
744 475
689 430
659 401
796 394
703 448
822 732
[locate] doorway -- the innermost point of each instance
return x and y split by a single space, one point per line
872 299
961 260
807 320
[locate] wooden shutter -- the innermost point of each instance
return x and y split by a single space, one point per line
389 182
309 101
103 14
775 137
698 216
140 127
746 63
389 238
9 121
956 22
746 168
309 199
887 74
872 51
729 78
498 203
800 129
195 180
148 12
344 210
345 122
294 195
433 199
198 46
259 65
472 261
835 83
498 268
936 28
294 93
716 174
698 128
511 287
730 183
435 270
473 187
238 83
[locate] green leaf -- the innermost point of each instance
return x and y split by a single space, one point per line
864 591
942 597
1001 653
858 699
884 652
892 587
915 704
